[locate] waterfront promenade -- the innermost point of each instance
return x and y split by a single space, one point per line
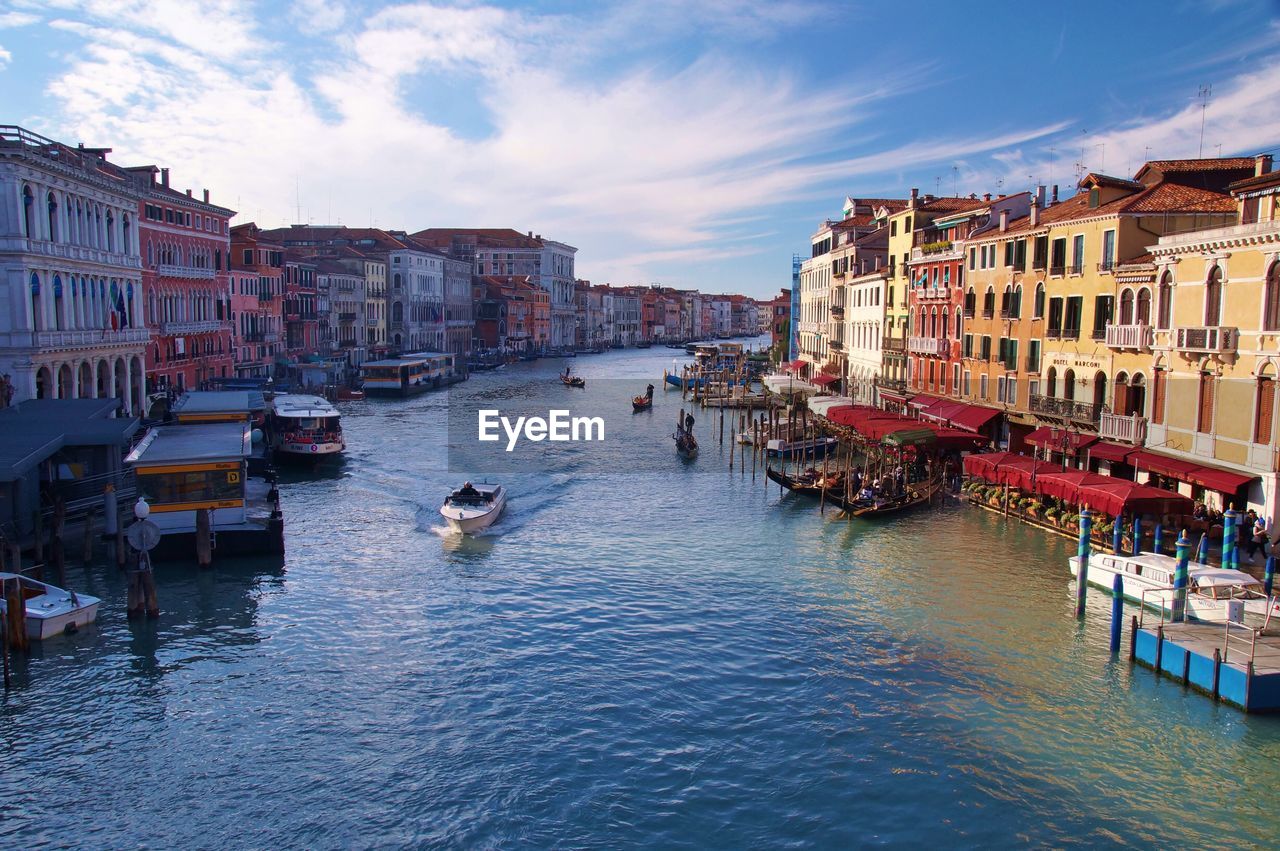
657 657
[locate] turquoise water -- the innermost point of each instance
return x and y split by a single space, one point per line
670 657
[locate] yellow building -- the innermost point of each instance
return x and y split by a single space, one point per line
1216 354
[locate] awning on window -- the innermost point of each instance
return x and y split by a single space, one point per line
1113 452
973 417
1053 438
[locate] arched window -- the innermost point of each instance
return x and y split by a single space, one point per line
959 325
1213 297
59 322
970 301
126 245
37 309
1006 301
1099 390
1142 315
944 327
1126 306
53 217
28 201
111 234
1038 307
1051 382
1164 306
1136 402
1271 300
989 303
1069 384
1015 306
1121 385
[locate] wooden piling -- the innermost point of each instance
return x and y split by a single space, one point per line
17 611
4 654
204 538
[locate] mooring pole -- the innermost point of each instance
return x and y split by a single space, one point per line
1117 611
1180 579
1082 552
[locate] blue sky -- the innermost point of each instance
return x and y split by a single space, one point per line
689 143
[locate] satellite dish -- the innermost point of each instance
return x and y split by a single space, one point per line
143 535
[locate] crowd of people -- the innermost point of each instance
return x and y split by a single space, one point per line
1252 536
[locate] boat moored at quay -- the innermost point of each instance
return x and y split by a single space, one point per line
50 610
304 427
410 374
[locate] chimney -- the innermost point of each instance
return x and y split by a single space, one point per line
206 196
1261 164
530 234
1035 215
1055 194
1040 195
1004 220
164 177
188 193
915 198
986 196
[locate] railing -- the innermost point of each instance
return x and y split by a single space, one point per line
988 312
69 251
253 337
201 327
893 344
1138 337
1059 269
1066 408
90 337
891 384
169 270
927 345
968 312
1107 265
348 316
1063 333
1098 334
1211 338
1124 429
1077 268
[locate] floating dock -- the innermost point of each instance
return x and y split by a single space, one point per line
1231 663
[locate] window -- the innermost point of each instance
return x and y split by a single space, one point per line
967 386
1033 356
1103 312
1142 315
1265 411
1108 250
1038 307
1015 304
1213 297
1000 383
1077 254
967 350
1012 390
1058 256
1041 253
989 303
1051 382
1204 422
53 217
1055 317
983 390
1008 253
986 348
1020 254
1074 312
1011 354
973 258
1164 309
893 228
1271 300
955 378
1126 306
248 257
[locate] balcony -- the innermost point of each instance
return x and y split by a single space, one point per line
1123 429
1063 333
927 346
893 344
347 317
1210 339
1077 268
90 338
207 326
968 311
988 313
1135 337
1107 265
169 270
1067 409
1058 270
66 251
837 311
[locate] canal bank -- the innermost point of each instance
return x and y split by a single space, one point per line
655 658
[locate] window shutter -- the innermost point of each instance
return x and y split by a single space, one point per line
1266 408
1205 423
1157 397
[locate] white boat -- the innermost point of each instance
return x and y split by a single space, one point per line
304 426
51 610
1214 594
473 507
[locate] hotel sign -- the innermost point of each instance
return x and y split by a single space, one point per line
1075 361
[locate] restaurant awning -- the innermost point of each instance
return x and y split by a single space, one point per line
986 465
1113 452
923 400
797 365
1053 438
824 379
940 409
1214 478
973 417
954 438
1065 484
1023 472
1121 496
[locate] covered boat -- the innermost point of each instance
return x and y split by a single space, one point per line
305 427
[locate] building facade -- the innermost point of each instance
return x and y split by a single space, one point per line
257 302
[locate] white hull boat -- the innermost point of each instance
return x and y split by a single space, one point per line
51 610
474 507
1214 594
305 427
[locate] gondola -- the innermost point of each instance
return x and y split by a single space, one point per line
686 444
806 483
915 495
572 380
643 403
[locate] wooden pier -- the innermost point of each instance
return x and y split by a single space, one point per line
1231 663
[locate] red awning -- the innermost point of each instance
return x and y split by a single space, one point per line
986 465
878 427
797 365
942 410
1218 479
1162 464
824 379
1053 437
893 395
923 400
849 415
1120 496
953 438
1065 484
973 417
1113 452
1022 472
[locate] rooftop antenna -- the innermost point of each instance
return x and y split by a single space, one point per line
1206 91
937 185
955 181
1053 162
1219 150
297 198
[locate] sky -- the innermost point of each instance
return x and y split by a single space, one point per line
694 144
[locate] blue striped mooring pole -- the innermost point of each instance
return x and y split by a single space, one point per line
1117 534
1229 538
1082 553
1158 541
1117 611
1202 555
1180 578
1137 534
1269 576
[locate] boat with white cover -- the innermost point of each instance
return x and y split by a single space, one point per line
51 610
806 447
305 426
471 508
1214 594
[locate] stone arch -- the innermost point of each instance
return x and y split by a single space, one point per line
85 375
66 381
103 390
44 383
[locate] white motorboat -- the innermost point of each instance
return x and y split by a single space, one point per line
1214 594
51 610
471 508
305 426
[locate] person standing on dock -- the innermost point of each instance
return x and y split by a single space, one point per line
1258 537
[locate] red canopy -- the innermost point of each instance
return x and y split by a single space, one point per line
797 365
849 415
1113 452
972 417
1024 472
825 379
952 438
1163 464
986 465
942 410
1213 478
923 400
1217 479
878 427
1120 496
1065 484
1052 438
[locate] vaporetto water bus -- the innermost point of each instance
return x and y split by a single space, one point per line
1214 594
409 375
305 427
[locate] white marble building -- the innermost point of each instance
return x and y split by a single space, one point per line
71 318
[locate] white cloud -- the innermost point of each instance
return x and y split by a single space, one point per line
9 20
5 57
644 165
316 17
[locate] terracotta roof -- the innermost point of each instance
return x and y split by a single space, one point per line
953 205
1140 260
488 237
1095 179
325 234
1262 181
1212 174
1176 198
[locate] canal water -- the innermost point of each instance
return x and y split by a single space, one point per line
671 656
